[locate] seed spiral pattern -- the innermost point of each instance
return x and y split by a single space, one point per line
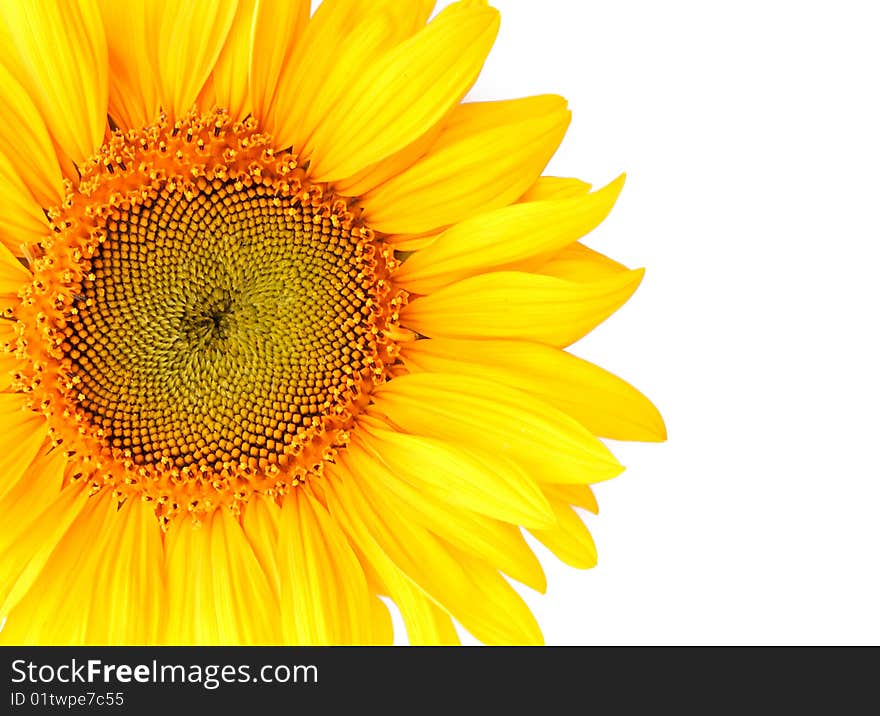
221 334
218 323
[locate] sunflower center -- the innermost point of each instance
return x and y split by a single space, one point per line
209 322
222 330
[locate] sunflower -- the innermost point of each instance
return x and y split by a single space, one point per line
283 327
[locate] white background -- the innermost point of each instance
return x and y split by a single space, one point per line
749 133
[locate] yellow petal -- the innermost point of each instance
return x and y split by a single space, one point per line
207 99
13 275
187 570
484 161
570 540
391 166
53 595
414 17
260 525
405 92
36 513
556 188
475 117
606 405
519 305
22 221
481 604
471 481
59 55
577 495
128 596
382 628
25 141
25 497
189 40
294 87
411 242
580 264
462 120
23 435
464 115
520 627
498 239
324 595
497 420
387 23
497 543
133 88
214 581
230 76
278 28
426 623
376 32
286 76
239 584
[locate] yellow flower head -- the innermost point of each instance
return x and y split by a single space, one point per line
283 324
